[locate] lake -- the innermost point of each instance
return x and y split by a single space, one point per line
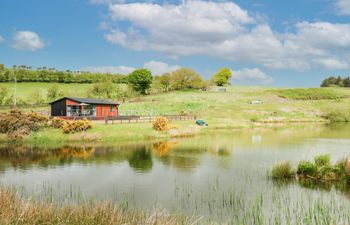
221 175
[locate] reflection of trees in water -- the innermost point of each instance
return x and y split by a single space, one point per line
141 160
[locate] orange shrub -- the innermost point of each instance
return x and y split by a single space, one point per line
17 124
73 126
57 122
161 124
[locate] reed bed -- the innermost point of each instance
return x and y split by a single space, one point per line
16 209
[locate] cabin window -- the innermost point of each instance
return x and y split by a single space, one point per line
112 108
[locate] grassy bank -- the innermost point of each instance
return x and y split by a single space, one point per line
15 209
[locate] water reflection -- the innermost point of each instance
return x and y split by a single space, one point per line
141 160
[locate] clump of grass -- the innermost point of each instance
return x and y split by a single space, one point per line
309 94
282 170
322 160
338 116
306 168
14 209
320 170
254 119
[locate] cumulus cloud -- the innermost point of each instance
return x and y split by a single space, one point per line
2 39
158 68
225 30
342 7
27 40
254 76
109 69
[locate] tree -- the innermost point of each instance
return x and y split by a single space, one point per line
3 94
222 76
346 82
185 78
140 80
53 93
105 90
165 81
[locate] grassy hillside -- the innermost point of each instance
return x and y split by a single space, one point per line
25 90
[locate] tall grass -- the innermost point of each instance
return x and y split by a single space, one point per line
15 209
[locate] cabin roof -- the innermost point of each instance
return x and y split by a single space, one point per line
89 101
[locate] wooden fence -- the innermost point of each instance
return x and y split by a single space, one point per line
131 119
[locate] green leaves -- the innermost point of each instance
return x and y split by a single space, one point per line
140 80
222 77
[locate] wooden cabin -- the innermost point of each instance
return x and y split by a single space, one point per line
84 107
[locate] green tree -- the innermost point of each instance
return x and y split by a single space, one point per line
186 78
3 94
105 90
222 76
53 93
165 81
346 82
140 80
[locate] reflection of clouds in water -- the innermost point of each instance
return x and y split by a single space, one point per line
256 139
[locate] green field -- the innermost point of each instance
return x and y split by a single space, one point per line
26 90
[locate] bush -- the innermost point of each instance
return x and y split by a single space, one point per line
307 168
282 170
322 160
17 124
338 116
57 122
161 124
73 126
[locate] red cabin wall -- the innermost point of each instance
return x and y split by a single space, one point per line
105 110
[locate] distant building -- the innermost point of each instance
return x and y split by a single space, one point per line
89 107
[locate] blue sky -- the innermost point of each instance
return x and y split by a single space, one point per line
271 42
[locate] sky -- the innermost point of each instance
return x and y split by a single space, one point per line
264 42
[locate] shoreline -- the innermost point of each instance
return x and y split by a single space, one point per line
133 133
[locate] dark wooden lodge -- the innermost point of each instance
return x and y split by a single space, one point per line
83 107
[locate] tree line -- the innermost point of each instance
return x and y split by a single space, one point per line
111 86
44 74
336 82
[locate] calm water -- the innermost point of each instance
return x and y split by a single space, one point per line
194 175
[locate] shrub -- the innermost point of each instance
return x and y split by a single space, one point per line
322 160
161 124
282 170
74 126
338 116
17 124
57 122
307 168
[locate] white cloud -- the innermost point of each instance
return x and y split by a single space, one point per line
342 7
27 40
255 76
109 69
158 68
224 30
2 39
